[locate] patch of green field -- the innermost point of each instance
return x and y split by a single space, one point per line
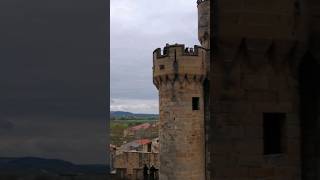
133 122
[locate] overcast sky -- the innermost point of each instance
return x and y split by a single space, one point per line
137 28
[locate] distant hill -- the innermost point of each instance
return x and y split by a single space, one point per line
122 115
32 165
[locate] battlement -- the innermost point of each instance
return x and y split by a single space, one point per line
177 62
177 50
201 1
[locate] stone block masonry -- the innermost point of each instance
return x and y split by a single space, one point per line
179 75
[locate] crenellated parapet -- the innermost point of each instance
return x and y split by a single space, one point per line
179 49
178 63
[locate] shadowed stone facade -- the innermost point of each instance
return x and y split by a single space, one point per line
260 100
264 62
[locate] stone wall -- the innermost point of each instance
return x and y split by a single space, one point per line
204 39
253 72
242 95
129 165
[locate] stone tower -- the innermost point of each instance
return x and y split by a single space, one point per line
204 23
256 83
178 73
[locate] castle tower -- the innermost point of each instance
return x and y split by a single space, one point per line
178 74
204 23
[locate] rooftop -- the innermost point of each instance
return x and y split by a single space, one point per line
141 126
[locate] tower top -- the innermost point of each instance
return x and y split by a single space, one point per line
178 50
176 62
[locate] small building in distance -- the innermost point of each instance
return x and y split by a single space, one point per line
129 165
137 145
131 158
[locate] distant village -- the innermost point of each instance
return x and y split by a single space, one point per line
134 145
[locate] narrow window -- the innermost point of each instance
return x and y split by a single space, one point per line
149 147
273 133
161 67
195 103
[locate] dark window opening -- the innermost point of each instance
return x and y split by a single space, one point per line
297 7
273 133
161 67
195 103
149 147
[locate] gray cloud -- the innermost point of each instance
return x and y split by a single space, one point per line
149 106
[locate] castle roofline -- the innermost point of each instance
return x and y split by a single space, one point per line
180 48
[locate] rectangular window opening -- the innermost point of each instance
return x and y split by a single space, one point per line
161 67
195 103
149 147
273 133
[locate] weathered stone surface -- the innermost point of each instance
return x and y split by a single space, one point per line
251 75
256 68
179 76
133 163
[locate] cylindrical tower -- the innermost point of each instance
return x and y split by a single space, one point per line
204 23
178 73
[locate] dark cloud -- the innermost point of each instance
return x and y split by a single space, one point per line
6 126
53 78
53 56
